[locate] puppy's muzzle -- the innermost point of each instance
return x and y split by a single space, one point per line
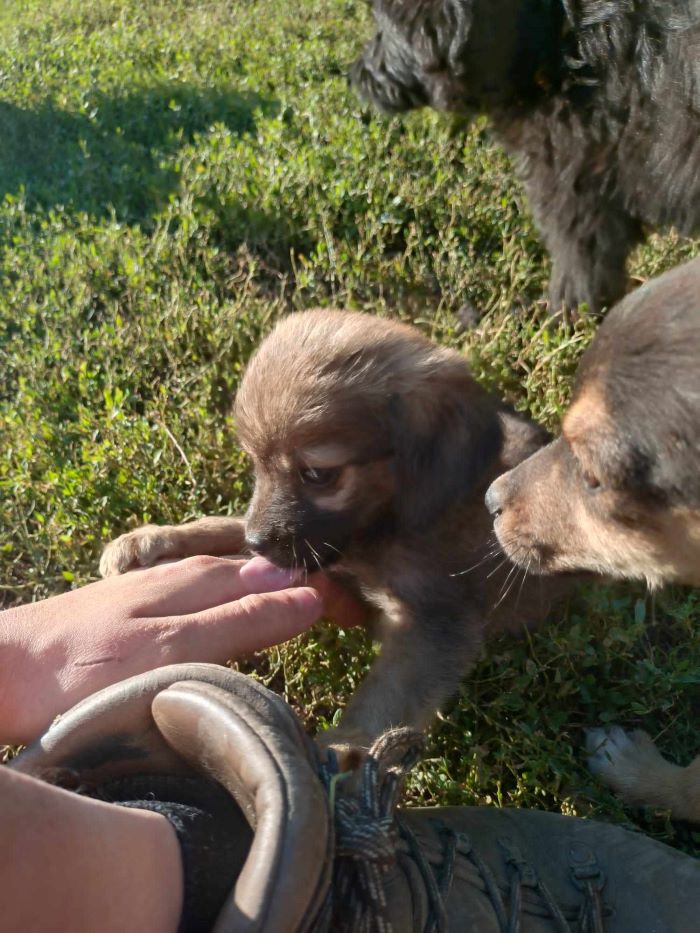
389 89
260 543
292 550
314 540
497 496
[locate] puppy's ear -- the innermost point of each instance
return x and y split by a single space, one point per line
446 433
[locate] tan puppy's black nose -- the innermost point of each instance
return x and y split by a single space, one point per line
495 497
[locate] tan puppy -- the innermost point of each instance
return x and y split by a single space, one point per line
619 492
372 450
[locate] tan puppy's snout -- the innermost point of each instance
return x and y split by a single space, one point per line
497 496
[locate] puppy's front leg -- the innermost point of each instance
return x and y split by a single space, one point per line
631 764
422 661
216 535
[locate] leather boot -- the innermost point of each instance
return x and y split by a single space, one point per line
318 853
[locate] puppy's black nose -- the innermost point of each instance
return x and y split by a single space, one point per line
258 542
494 499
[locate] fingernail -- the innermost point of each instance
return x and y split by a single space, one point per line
308 600
261 576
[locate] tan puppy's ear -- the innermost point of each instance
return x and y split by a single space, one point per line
446 433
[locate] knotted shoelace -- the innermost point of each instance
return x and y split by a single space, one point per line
368 832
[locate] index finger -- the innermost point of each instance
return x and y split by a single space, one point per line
196 584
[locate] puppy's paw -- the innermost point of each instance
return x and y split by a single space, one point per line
625 761
139 548
349 746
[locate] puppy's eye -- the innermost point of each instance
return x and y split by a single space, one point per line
319 477
591 481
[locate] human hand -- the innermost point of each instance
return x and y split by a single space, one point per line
56 652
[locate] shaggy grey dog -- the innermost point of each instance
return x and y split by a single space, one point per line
597 101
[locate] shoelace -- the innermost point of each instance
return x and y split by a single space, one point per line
368 831
366 834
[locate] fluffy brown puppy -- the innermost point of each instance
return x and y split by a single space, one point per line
619 492
372 450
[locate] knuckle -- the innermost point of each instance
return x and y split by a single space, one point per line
202 561
171 640
256 603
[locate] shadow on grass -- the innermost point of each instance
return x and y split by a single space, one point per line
117 155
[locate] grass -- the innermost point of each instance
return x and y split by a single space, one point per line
173 177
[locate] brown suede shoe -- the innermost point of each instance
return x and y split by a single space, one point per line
315 859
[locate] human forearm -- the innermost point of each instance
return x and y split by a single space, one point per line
72 863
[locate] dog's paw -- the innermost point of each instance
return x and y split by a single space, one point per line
623 760
139 548
349 747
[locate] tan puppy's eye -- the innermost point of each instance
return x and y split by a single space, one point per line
319 477
591 481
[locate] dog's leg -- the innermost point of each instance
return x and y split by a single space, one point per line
586 229
589 261
420 666
631 765
145 546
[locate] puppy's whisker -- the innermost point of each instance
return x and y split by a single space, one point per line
314 553
515 551
512 573
295 560
526 570
498 567
331 546
318 560
484 560
509 586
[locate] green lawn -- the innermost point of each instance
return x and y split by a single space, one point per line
174 176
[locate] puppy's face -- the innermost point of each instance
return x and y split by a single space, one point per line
619 492
312 500
407 64
459 56
555 513
396 74
356 426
